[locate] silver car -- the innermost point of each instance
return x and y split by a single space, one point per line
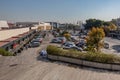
34 44
70 45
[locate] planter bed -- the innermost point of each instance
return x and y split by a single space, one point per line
106 66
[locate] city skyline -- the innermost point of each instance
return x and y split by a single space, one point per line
58 10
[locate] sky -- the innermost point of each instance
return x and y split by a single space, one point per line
64 11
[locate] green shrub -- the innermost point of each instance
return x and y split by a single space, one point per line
53 50
90 56
100 57
3 52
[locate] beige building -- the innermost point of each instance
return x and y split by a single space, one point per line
3 24
44 26
5 34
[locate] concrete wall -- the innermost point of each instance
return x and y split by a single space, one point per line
5 34
86 63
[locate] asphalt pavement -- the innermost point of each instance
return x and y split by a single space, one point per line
114 46
28 65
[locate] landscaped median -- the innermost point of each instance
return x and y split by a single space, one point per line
92 59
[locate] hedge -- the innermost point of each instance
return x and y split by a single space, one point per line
3 52
89 56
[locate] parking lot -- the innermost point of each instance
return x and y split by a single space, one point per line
114 46
28 65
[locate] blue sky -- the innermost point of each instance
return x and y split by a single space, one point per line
58 10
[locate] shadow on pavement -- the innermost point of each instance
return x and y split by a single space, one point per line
116 48
40 58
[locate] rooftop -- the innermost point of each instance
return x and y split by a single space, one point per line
6 41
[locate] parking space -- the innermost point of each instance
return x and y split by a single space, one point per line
114 46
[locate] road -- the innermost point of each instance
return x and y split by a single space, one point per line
29 66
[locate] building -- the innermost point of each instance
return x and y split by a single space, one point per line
54 24
44 26
26 24
62 26
4 25
80 25
7 33
11 25
116 22
16 43
115 33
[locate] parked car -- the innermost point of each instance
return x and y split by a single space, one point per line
40 39
72 47
68 43
83 36
74 38
62 39
106 45
39 36
34 44
55 40
37 40
118 38
82 43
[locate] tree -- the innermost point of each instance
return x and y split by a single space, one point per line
109 26
94 38
112 26
93 22
114 21
106 30
106 23
99 23
67 36
71 27
64 32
